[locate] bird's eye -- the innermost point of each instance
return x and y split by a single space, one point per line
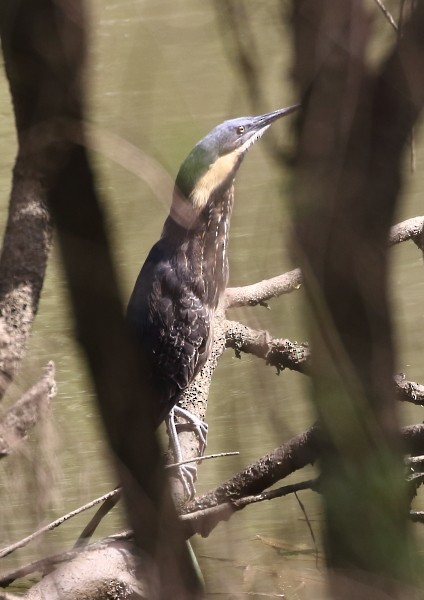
240 129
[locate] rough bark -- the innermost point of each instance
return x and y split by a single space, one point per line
28 236
111 569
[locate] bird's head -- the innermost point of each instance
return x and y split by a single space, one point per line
213 162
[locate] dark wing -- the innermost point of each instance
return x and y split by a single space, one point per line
181 341
171 323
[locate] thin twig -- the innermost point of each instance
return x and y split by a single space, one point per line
387 14
201 458
310 484
308 523
21 543
94 522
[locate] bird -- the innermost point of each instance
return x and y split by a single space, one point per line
171 309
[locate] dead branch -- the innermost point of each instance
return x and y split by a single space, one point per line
21 543
110 500
310 484
204 520
111 569
409 391
245 488
205 512
259 293
204 457
387 14
26 412
291 456
279 353
411 229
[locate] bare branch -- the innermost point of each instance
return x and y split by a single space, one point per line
387 14
258 293
205 512
21 543
310 484
201 458
111 499
291 456
26 412
409 391
280 353
411 229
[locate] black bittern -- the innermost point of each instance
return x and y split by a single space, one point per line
180 285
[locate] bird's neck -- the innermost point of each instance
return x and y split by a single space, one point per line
202 248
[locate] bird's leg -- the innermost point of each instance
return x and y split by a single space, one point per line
187 472
199 427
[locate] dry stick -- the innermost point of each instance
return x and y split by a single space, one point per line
97 518
110 503
201 458
387 14
205 512
258 293
226 509
410 229
280 353
293 488
413 437
21 543
309 524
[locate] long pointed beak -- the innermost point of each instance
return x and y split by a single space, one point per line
258 125
268 118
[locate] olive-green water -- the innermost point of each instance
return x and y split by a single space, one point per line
159 79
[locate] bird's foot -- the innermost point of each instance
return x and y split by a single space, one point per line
188 475
187 472
199 427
